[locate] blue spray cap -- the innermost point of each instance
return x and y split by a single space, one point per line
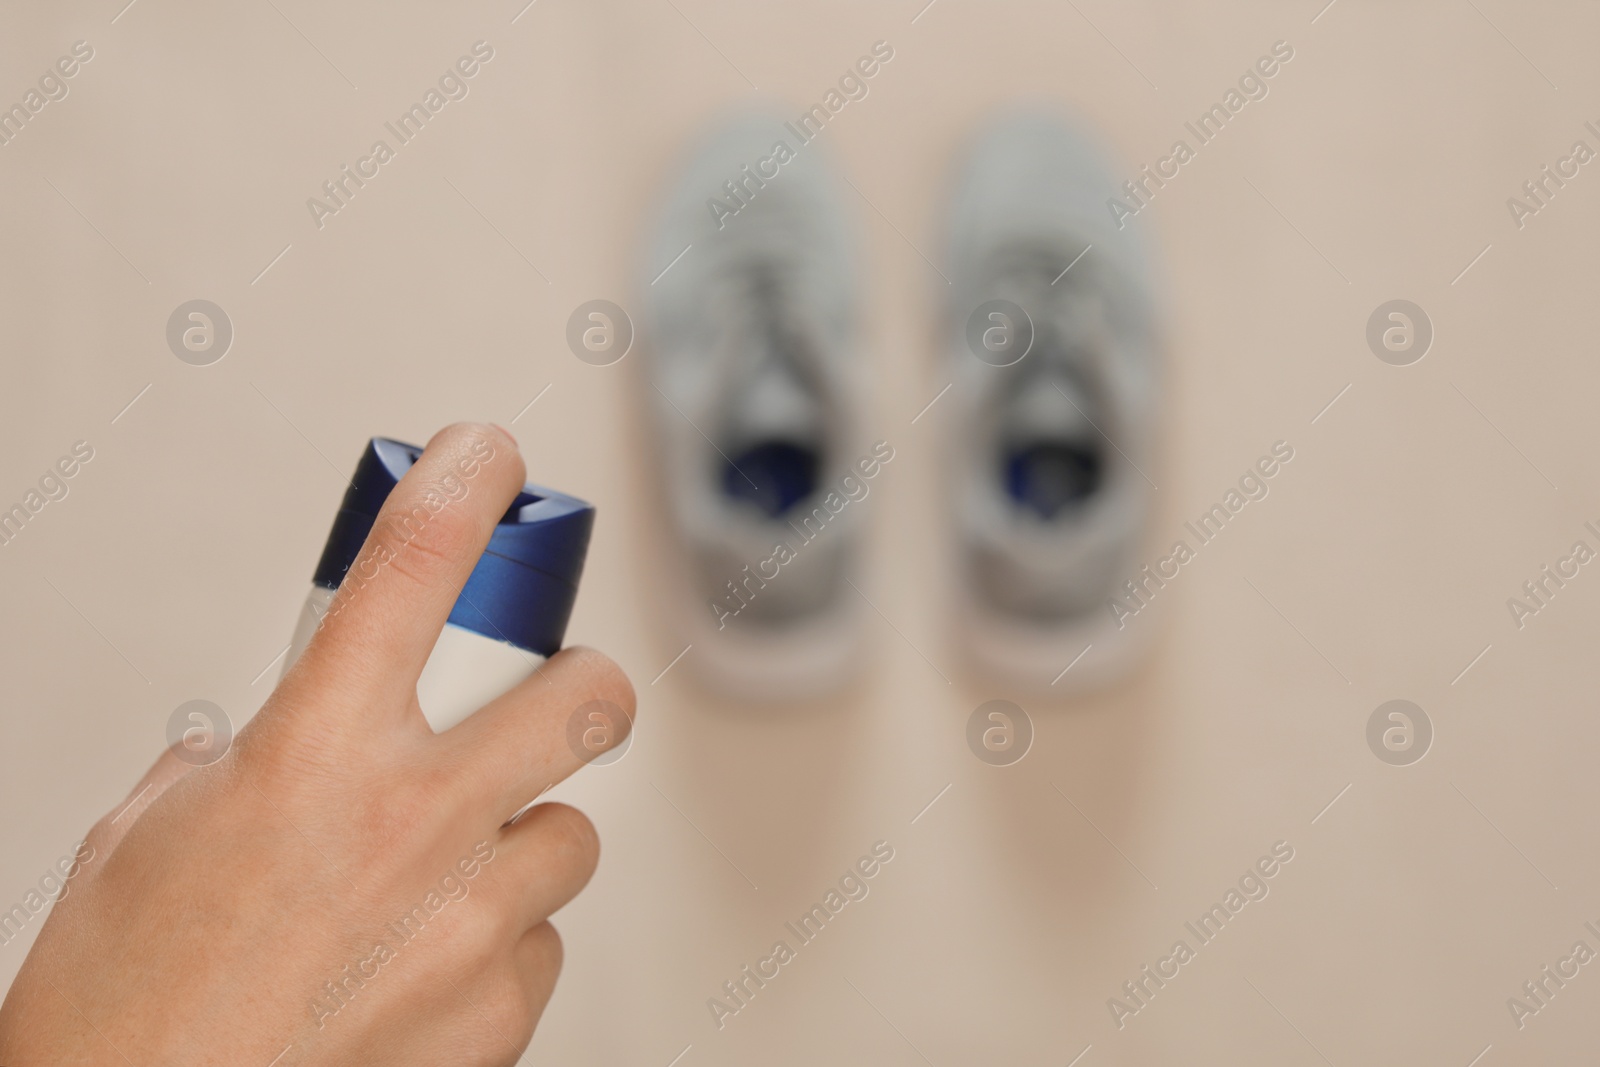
524 585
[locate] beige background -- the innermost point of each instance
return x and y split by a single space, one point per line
1381 562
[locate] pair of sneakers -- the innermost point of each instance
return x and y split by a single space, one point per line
769 454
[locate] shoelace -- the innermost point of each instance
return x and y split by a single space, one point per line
1050 454
772 403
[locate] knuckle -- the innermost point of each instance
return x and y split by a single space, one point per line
544 947
387 819
505 1005
99 838
425 534
478 931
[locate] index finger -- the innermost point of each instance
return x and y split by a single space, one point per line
393 601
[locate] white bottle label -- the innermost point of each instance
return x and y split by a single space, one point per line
465 671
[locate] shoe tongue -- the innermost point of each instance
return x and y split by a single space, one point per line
1050 402
1050 452
774 401
773 427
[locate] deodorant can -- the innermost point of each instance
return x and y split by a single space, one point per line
510 616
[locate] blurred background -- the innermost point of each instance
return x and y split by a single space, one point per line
1420 897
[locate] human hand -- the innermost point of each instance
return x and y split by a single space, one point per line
339 888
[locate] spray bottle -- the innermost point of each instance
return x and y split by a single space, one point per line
510 616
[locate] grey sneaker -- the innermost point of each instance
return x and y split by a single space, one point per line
1056 375
756 390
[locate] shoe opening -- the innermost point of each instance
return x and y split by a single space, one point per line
1049 477
773 476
